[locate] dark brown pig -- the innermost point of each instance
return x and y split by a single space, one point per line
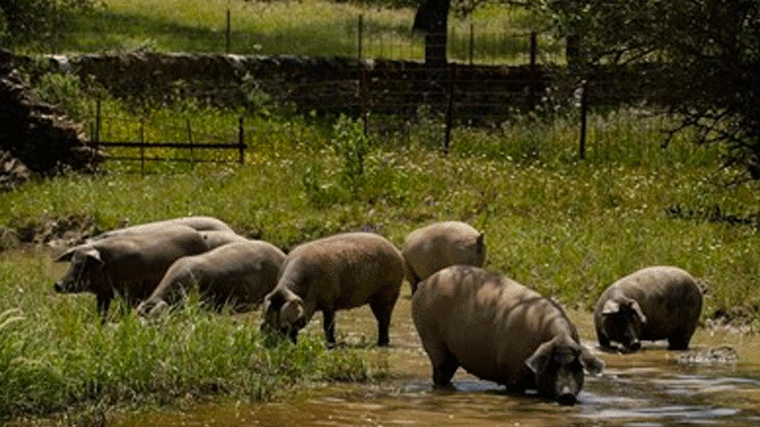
335 273
130 265
501 331
651 304
237 274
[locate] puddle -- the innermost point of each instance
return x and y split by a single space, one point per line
646 389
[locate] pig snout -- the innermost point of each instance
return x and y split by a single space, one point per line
630 339
60 287
566 397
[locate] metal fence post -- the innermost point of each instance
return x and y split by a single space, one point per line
190 141
584 108
228 33
472 42
142 147
449 108
360 32
241 141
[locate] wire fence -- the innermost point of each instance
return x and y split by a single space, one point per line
360 36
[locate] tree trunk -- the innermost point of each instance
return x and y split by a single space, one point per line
432 19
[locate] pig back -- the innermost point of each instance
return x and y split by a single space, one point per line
491 324
135 264
344 271
669 297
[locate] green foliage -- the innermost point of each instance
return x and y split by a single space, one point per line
352 145
65 91
25 21
698 58
55 355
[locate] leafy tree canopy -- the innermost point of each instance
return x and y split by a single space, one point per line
23 21
704 56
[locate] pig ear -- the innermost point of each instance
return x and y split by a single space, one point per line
637 308
66 256
539 360
94 255
593 364
610 307
292 313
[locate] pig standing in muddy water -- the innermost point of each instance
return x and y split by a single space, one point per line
335 273
238 274
501 331
129 265
200 223
437 246
651 304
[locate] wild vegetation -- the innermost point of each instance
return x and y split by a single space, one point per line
564 226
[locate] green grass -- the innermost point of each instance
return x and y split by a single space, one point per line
56 358
312 27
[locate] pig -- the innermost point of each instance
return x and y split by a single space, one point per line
335 273
216 238
238 274
501 331
128 265
200 223
654 303
436 246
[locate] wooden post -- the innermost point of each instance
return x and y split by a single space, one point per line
241 141
228 33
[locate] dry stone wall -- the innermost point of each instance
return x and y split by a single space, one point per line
35 136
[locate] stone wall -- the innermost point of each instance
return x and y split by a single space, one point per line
308 83
35 135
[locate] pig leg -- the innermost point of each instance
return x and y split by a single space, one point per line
382 311
328 318
444 370
679 340
604 340
444 363
103 303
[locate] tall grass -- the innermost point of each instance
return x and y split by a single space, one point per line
55 355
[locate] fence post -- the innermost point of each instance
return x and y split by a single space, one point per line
472 41
449 108
190 140
584 108
97 120
142 147
228 33
360 32
241 141
532 71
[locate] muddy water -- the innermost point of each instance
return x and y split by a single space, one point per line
646 389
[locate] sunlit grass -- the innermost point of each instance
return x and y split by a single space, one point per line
491 35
